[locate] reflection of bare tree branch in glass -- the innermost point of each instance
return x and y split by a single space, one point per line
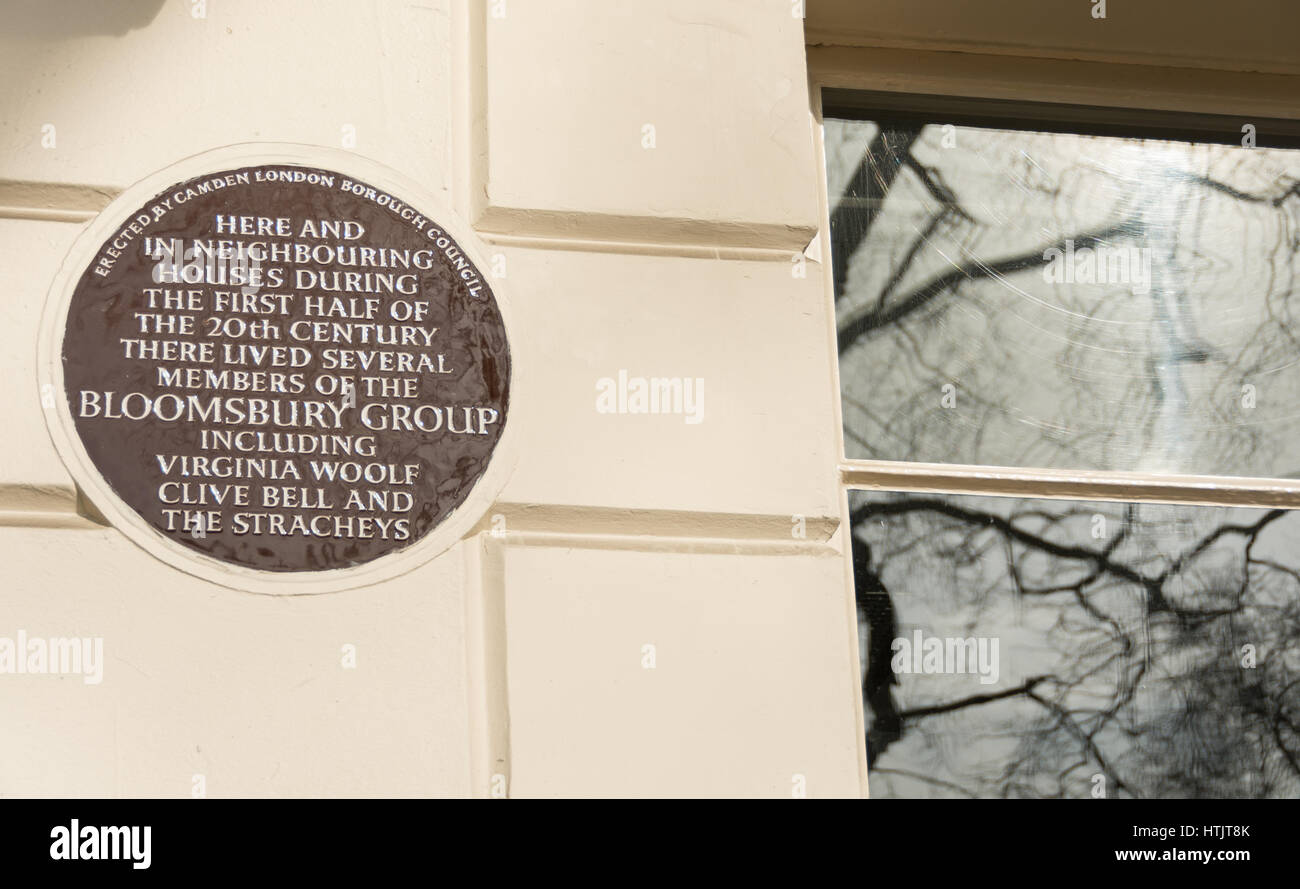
1150 650
852 325
876 612
858 207
945 256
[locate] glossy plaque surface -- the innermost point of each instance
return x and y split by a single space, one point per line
285 368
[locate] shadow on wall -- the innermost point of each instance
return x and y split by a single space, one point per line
60 19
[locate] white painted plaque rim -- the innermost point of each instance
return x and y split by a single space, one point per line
123 517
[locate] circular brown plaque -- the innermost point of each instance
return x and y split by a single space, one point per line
285 367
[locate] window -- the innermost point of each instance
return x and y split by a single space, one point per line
1099 304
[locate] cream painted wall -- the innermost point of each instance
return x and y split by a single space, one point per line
519 653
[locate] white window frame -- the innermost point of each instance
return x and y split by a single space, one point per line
1124 84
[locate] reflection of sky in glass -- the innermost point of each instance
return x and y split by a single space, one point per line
1177 352
1122 633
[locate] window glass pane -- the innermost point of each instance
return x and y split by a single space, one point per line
1056 300
1039 648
